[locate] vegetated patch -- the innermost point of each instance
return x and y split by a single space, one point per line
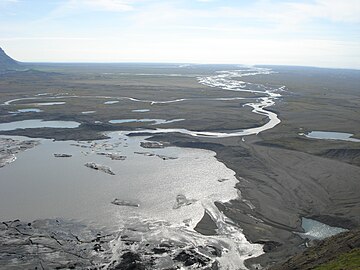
347 261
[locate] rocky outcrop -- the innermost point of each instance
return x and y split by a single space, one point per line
130 261
10 147
190 258
99 167
53 244
61 244
140 251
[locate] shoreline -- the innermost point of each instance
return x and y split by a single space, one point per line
275 232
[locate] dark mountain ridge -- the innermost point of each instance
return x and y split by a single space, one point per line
7 63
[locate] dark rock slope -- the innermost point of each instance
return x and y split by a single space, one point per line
7 63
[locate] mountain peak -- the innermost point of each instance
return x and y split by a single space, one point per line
7 63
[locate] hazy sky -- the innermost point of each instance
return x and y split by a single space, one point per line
308 32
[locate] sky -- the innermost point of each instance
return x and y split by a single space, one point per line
324 33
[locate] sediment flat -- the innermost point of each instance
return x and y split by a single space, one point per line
282 175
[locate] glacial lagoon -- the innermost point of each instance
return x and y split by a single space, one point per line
169 188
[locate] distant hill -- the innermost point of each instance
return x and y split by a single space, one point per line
7 63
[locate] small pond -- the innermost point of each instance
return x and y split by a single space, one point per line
329 135
37 123
317 230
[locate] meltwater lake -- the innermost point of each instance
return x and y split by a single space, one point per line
48 186
169 188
